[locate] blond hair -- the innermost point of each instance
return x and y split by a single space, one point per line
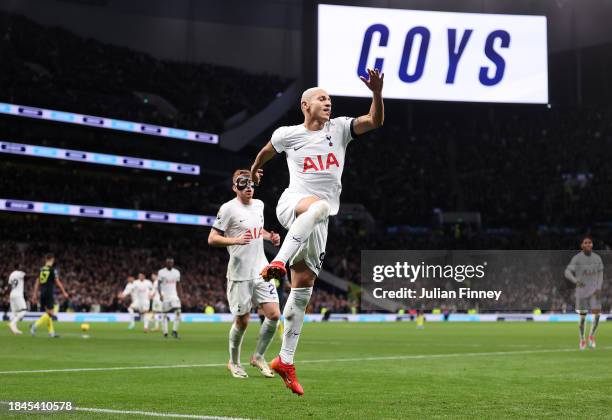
240 172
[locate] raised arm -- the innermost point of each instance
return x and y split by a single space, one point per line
264 155
376 117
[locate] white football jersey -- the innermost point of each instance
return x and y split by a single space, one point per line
167 280
316 158
234 219
142 290
16 282
129 290
588 270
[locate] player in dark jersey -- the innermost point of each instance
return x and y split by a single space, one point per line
47 279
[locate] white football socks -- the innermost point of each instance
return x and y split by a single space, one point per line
177 321
132 316
294 311
235 343
266 334
301 228
165 324
146 318
18 316
594 325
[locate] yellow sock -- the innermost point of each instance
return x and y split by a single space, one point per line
42 320
50 328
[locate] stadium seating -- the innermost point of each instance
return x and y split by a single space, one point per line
94 260
54 68
538 177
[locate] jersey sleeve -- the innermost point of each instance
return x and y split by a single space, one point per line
222 221
128 289
278 140
346 125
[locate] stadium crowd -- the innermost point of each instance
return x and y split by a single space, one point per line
537 177
94 260
490 171
550 178
519 169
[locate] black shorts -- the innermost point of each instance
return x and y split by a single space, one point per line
46 301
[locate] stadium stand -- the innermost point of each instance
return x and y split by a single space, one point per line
556 160
54 68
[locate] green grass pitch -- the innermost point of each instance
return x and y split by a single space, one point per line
349 371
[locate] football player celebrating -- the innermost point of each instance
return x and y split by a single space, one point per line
240 228
315 153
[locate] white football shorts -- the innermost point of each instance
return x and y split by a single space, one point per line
157 305
312 252
586 304
141 305
171 304
18 303
241 295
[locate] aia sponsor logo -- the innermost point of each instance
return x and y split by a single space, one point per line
590 273
319 163
256 232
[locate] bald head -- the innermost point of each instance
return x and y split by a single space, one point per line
309 93
316 105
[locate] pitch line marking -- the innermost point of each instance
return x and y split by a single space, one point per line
153 414
144 413
441 356
104 369
356 359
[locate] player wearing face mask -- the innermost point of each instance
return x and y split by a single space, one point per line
240 228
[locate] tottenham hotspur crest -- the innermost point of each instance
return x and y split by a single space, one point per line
328 137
